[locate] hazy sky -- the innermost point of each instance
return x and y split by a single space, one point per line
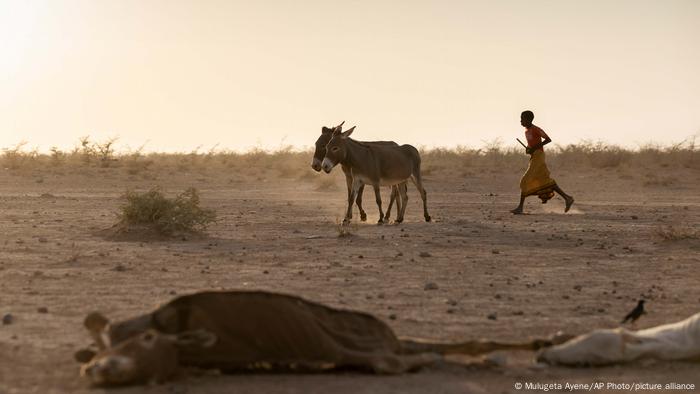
180 74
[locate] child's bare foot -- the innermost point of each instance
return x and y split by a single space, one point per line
569 203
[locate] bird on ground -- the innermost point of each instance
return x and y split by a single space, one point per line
635 313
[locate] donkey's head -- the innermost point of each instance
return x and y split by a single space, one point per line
321 142
337 148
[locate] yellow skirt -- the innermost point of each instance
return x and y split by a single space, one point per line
536 180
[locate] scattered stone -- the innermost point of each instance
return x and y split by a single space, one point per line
392 316
496 359
496 251
8 318
451 311
430 286
43 240
451 302
42 309
425 254
492 316
635 217
119 268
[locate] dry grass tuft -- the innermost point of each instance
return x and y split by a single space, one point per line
167 216
345 230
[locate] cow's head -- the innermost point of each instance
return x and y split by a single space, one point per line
146 356
321 142
336 150
599 347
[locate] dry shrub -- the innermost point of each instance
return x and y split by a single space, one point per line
165 215
593 154
15 158
677 233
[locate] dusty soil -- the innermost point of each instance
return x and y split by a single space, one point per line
535 273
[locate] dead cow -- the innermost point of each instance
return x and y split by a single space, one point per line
677 341
249 330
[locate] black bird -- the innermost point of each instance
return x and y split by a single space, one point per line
635 314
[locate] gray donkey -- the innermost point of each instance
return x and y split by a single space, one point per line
320 153
377 165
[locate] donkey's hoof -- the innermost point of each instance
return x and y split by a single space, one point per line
398 221
428 218
346 221
363 216
380 222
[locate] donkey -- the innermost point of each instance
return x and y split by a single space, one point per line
239 331
375 165
320 153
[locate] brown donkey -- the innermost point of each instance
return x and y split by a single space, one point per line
376 165
320 153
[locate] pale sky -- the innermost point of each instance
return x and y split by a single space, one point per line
178 74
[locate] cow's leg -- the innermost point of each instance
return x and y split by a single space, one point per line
400 363
417 180
378 197
358 201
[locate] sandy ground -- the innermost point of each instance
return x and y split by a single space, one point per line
535 273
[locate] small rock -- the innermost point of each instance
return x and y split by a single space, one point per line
119 268
492 316
430 286
451 311
635 217
42 309
8 319
451 302
496 359
43 240
496 251
392 316
425 254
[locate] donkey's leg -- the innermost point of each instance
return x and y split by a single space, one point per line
348 213
416 178
391 203
356 185
403 195
358 201
378 197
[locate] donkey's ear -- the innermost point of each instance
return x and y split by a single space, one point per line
196 338
349 131
325 130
